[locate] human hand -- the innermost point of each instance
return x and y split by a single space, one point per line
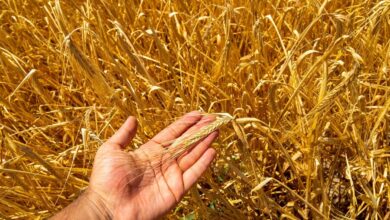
136 185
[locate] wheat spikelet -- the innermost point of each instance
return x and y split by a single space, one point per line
182 144
328 99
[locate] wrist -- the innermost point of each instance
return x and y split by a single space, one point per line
89 205
97 205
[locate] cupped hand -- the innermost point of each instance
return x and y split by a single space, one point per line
136 185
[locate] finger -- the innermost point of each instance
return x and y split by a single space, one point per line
176 129
125 133
189 159
193 173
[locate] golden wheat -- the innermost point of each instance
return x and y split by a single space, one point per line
306 81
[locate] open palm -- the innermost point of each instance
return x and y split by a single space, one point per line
134 185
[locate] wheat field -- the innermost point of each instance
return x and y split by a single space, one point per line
307 81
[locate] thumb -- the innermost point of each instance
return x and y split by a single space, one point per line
125 133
